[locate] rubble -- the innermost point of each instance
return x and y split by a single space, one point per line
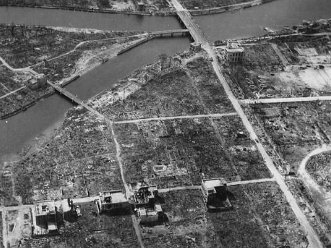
319 168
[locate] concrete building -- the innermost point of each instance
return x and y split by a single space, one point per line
150 215
143 194
146 205
215 193
111 200
234 52
37 82
45 218
195 47
140 6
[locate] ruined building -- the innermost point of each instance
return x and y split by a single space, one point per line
146 205
38 81
112 200
234 52
45 218
215 192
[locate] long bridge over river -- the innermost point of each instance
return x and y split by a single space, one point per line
170 33
74 99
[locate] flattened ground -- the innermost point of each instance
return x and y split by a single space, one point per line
185 148
261 218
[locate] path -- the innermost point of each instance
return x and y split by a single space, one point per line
284 100
175 117
262 180
26 69
319 192
198 187
280 55
12 92
198 36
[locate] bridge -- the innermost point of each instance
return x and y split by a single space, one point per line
171 33
195 31
74 99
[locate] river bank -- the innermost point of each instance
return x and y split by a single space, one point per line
98 10
169 12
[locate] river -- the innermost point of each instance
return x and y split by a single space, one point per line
251 21
24 128
46 115
79 19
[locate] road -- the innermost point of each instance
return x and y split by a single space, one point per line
324 197
302 167
12 92
26 69
262 180
198 187
175 117
313 238
284 100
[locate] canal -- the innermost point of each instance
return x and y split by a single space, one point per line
22 129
